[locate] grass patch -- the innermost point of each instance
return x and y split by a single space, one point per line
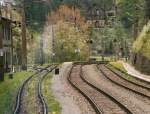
30 95
43 66
119 69
9 89
118 65
52 104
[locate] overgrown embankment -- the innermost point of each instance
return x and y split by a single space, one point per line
52 105
141 50
9 89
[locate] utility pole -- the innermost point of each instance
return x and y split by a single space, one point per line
136 22
53 44
41 50
24 42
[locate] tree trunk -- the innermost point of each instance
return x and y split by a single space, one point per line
1 55
136 22
147 11
24 42
136 28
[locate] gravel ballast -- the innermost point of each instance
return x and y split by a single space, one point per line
127 98
70 100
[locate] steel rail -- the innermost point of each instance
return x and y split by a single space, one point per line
93 104
148 88
107 95
40 96
126 87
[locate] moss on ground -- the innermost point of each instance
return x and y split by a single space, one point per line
125 75
118 65
142 44
9 89
52 104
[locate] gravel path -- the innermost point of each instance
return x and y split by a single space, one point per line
124 96
70 100
133 72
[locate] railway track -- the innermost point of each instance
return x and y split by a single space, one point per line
101 102
122 74
30 99
117 79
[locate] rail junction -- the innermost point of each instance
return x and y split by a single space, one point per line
103 99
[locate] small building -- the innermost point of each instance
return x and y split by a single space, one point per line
6 44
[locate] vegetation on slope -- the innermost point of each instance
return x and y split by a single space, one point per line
52 104
118 65
71 34
142 44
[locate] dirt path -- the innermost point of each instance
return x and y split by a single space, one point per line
133 72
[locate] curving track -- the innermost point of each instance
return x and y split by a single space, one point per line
124 75
115 78
99 99
29 98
